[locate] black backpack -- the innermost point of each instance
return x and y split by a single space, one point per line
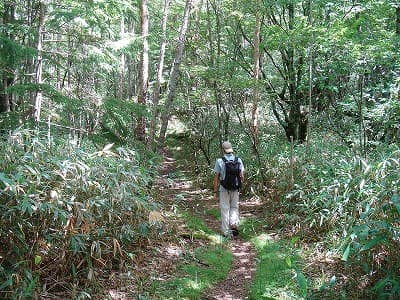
232 174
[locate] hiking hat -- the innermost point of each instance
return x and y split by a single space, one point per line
227 147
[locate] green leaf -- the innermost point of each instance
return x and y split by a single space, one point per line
294 240
381 284
332 281
288 261
346 253
8 282
396 202
74 271
26 206
77 244
38 259
372 243
302 281
3 178
30 169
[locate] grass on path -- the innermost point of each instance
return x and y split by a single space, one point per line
201 269
278 274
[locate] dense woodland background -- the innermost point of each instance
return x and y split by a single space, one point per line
308 92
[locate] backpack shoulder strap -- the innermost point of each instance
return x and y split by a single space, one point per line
224 159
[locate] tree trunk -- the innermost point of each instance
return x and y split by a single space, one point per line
310 75
157 87
295 121
293 128
217 97
144 72
122 64
37 105
398 20
4 97
131 70
361 105
256 70
174 74
214 62
7 77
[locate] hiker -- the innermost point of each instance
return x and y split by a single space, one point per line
229 174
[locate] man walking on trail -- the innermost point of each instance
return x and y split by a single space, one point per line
229 174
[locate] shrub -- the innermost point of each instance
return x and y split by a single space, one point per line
65 211
353 203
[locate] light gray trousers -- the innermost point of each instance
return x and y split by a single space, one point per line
229 205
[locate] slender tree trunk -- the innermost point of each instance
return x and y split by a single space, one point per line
144 72
363 134
256 71
4 97
293 117
294 112
58 69
131 87
214 62
174 74
310 74
122 64
37 105
160 69
398 34
7 77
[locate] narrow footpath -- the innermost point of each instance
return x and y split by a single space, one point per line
176 184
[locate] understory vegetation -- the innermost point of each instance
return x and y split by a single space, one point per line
347 206
340 206
79 213
70 215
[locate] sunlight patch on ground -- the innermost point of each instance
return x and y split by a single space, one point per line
196 192
278 293
116 295
182 185
264 239
216 239
174 251
194 285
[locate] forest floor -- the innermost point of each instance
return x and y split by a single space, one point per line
198 201
179 190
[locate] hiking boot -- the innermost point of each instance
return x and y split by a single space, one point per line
235 231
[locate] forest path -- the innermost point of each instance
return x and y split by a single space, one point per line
177 183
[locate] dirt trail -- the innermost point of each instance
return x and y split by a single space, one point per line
237 283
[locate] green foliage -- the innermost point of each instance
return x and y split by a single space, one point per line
250 227
385 115
12 53
63 209
90 17
196 224
350 202
117 118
